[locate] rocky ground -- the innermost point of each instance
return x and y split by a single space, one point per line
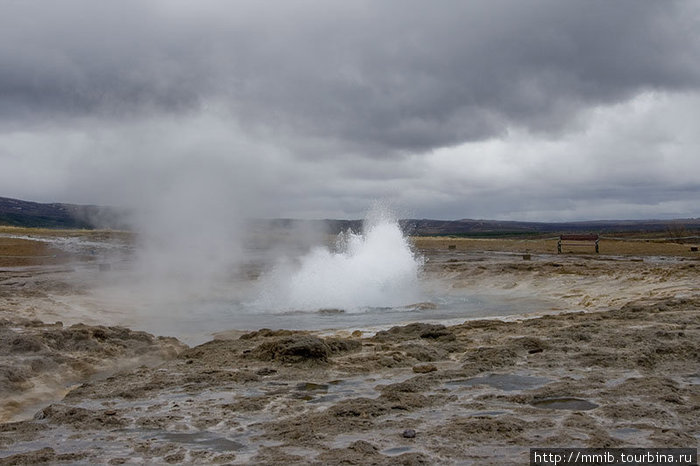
621 370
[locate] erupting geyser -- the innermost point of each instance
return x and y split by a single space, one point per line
374 269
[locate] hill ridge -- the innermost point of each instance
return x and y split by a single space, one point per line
15 212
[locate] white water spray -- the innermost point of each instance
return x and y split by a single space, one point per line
374 269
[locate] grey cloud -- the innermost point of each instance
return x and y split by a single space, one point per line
86 59
634 160
363 77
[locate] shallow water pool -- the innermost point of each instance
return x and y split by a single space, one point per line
195 322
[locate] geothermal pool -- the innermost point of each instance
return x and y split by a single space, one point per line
364 281
196 322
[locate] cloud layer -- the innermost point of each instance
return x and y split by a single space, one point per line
540 110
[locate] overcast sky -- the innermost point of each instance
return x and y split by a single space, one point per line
529 110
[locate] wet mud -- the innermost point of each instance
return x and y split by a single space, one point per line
621 371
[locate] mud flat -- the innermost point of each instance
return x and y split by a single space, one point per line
616 364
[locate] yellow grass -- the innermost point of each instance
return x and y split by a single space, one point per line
19 252
16 252
542 246
50 232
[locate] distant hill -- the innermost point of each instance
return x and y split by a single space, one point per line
32 214
18 213
496 228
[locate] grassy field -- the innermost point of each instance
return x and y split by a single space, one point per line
642 247
15 252
20 252
67 233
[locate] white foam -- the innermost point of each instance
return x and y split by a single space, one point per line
374 269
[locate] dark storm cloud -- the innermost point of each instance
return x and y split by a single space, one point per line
364 77
94 59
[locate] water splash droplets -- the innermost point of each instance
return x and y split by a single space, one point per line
374 269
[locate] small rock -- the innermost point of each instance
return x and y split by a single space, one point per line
424 306
342 345
266 371
409 433
311 386
356 334
424 368
297 348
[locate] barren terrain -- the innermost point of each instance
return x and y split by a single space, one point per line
614 362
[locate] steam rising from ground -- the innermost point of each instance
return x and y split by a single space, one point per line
374 269
196 260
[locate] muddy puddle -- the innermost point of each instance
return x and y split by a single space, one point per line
571 404
505 382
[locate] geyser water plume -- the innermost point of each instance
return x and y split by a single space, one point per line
374 269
